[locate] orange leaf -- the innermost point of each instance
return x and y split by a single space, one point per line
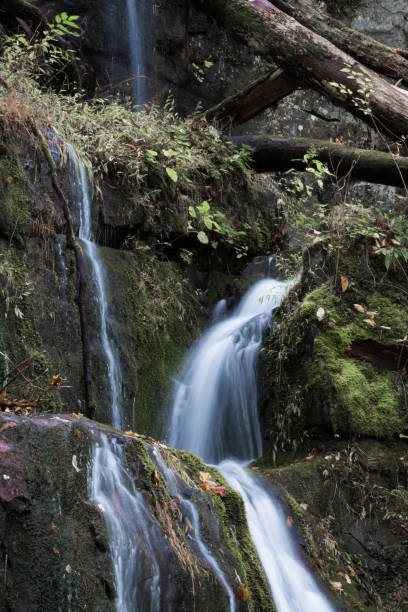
203 486
130 433
344 283
155 477
243 592
3 394
289 521
57 380
10 179
74 415
84 580
284 229
55 551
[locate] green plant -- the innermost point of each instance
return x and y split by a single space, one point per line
203 218
363 80
199 71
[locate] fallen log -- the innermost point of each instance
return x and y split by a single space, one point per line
271 154
259 95
385 356
12 10
314 62
373 54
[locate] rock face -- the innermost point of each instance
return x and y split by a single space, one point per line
54 542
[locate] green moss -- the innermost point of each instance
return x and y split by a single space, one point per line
13 195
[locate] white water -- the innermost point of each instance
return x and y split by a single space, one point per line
139 17
214 415
130 529
92 253
190 509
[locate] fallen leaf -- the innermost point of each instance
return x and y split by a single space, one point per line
344 283
351 572
304 506
389 515
289 521
74 415
10 179
84 580
203 486
336 585
359 308
55 551
68 569
309 457
284 229
54 528
347 578
318 562
372 314
205 477
6 477
3 393
130 433
255 467
325 473
320 313
75 464
218 490
243 592
369 322
57 380
385 327
155 477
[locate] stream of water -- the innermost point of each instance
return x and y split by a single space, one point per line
84 199
214 415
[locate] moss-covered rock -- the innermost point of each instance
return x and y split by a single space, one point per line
55 542
312 381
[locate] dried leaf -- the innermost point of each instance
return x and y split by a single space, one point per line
389 515
57 380
6 477
55 551
243 592
369 322
320 313
203 486
304 506
75 464
255 467
284 229
344 283
336 585
54 528
84 580
74 415
359 308
347 578
68 569
155 477
3 393
309 457
130 433
205 477
218 490
289 521
10 179
372 314
318 562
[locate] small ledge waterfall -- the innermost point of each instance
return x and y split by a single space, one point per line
84 199
214 415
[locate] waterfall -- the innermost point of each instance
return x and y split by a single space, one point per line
132 533
92 252
214 415
139 13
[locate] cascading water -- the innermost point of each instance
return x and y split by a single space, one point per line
190 510
139 18
131 531
91 250
214 415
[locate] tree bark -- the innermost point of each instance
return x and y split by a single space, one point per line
373 54
266 91
314 62
279 154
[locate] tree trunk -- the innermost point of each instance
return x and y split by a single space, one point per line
252 100
314 62
367 50
279 154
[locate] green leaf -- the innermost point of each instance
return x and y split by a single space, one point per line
208 223
169 152
202 237
208 64
172 174
192 212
